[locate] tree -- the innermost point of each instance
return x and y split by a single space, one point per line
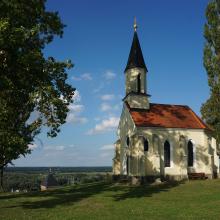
30 84
211 108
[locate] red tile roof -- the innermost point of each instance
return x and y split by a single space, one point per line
167 116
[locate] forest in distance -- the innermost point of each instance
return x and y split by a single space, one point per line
59 169
28 179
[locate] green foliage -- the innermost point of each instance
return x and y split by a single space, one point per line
211 109
22 181
30 84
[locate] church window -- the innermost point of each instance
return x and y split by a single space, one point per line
145 145
139 83
166 154
128 141
190 154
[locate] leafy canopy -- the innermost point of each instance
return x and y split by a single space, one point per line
211 109
33 89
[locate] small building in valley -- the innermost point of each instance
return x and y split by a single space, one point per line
49 182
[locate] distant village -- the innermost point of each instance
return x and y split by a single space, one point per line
46 179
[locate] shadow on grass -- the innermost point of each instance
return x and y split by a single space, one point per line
70 196
145 190
53 198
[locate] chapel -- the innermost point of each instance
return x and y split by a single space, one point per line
163 141
49 182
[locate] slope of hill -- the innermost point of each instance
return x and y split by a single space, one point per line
186 200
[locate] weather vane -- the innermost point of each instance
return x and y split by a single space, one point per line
135 24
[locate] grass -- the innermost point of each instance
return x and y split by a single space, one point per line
187 200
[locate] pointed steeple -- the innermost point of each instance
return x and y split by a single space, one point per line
135 58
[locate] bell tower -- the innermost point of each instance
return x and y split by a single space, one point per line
135 75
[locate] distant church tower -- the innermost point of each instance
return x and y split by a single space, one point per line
136 70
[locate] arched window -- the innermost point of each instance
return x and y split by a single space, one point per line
145 144
139 83
166 154
128 141
190 154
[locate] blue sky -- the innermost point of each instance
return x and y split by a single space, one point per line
97 39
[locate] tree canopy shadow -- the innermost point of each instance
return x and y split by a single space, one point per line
145 190
71 196
62 196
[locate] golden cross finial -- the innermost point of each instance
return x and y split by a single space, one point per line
135 24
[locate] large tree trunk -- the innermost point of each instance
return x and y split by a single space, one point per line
1 178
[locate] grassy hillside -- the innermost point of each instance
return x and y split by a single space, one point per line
189 200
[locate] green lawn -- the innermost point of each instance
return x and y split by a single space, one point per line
188 200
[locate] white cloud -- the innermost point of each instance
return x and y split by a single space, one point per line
74 118
54 148
76 96
107 97
107 147
107 151
97 119
105 107
108 155
76 107
76 78
98 88
109 75
75 110
68 154
85 76
32 146
104 126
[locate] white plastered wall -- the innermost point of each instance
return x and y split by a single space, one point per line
126 129
179 151
116 159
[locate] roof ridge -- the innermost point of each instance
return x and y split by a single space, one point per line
170 104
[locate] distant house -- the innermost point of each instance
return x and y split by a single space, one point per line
49 182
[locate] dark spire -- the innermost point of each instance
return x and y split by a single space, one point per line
135 58
50 180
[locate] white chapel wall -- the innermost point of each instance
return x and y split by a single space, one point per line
126 129
179 165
